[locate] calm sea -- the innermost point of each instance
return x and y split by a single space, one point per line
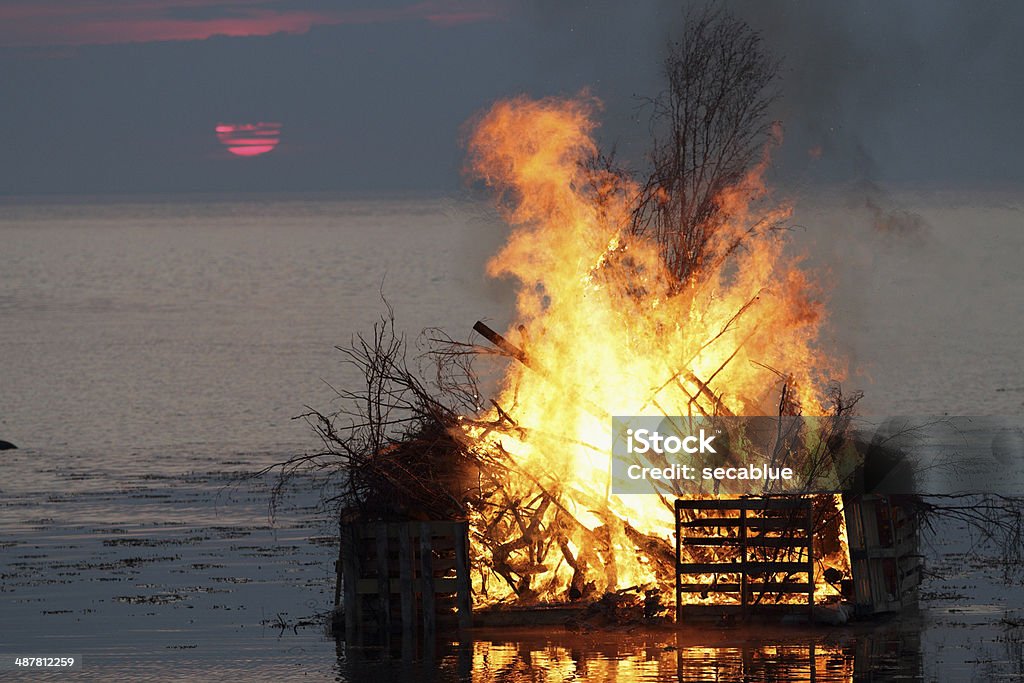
154 353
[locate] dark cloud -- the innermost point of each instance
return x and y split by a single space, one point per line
915 91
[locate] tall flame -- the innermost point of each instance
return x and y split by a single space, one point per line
608 331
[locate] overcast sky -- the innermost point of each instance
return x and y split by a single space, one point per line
123 96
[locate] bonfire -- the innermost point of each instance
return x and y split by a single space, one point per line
602 328
677 297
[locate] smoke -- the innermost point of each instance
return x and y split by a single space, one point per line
895 222
875 98
908 93
915 93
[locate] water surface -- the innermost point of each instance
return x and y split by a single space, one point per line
153 355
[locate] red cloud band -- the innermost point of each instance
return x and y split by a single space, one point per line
66 22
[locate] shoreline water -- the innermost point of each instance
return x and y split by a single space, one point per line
149 359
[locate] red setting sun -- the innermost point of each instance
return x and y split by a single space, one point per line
249 139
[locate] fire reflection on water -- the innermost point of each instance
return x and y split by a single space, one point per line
883 653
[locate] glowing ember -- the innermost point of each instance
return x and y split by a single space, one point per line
609 332
249 139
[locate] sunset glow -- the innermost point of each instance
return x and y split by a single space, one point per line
60 22
249 139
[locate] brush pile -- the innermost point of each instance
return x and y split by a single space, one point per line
402 447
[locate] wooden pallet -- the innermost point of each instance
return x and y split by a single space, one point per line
753 540
393 576
884 553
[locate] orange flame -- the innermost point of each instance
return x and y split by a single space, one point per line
609 332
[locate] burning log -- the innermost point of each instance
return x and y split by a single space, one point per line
507 347
512 351
656 549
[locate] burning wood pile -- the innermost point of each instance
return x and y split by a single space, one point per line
675 296
603 326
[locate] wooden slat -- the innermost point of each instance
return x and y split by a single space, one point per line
752 587
712 541
371 587
338 573
740 567
743 559
744 504
443 533
709 568
709 522
405 591
350 567
723 610
751 541
383 580
427 586
679 535
777 524
444 565
462 581
762 523
810 565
